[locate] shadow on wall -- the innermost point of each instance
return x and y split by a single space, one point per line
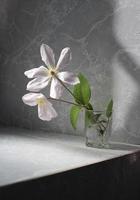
88 28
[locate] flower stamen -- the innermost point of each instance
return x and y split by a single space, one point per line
52 72
40 101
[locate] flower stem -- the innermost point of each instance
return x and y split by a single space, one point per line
107 123
70 92
84 106
62 100
64 86
102 125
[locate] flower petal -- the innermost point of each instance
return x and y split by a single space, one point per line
68 77
47 55
30 98
38 84
46 111
35 72
64 58
55 89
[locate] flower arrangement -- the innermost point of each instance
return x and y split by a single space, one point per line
50 74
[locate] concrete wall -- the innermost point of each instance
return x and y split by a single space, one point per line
104 37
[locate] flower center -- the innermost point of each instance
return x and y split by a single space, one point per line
40 101
52 72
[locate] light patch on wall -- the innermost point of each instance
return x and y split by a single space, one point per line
126 20
125 93
126 71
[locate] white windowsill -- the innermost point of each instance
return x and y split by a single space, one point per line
27 155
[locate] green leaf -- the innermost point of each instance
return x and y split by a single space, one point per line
82 91
109 108
77 93
89 106
74 113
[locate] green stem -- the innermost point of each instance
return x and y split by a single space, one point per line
107 124
69 91
102 125
84 106
64 85
62 100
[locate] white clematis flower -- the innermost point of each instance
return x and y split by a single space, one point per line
46 111
42 75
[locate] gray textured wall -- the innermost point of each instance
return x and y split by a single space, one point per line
104 36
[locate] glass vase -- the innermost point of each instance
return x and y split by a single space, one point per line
94 137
